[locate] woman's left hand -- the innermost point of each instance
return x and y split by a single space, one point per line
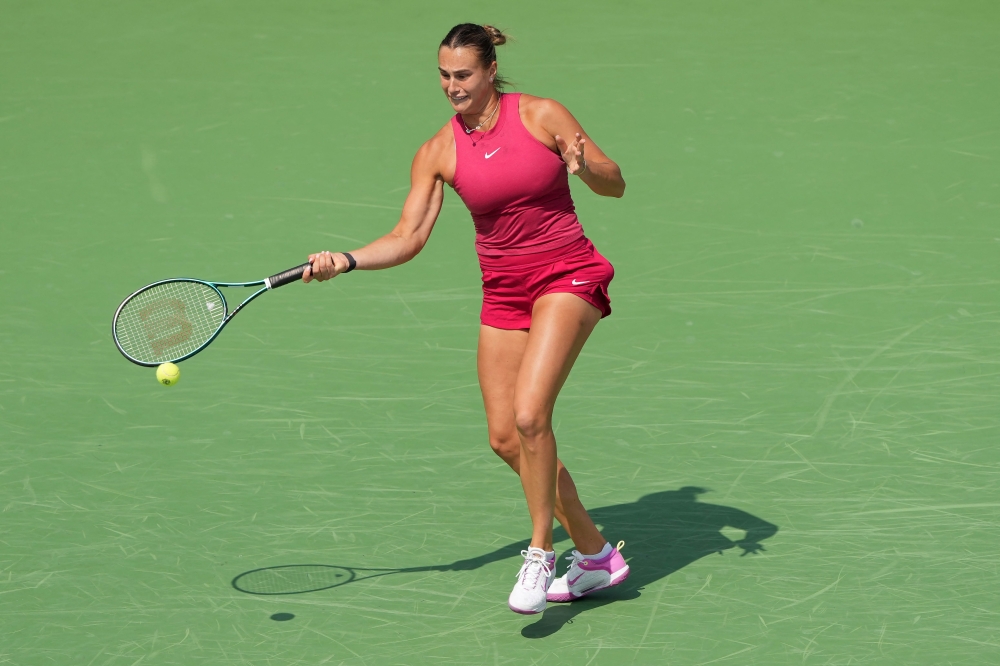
572 154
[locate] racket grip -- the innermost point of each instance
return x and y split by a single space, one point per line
287 277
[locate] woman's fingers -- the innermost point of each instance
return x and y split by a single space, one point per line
325 265
322 267
571 152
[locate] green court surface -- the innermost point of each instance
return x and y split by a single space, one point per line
803 349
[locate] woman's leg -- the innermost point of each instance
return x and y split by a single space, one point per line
560 325
501 356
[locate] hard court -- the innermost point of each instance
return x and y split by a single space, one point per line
803 349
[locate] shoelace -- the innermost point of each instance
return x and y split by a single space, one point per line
527 569
574 559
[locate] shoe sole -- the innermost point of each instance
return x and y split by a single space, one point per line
616 579
522 611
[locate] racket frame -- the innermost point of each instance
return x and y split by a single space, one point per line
269 283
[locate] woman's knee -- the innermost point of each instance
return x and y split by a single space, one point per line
507 446
532 423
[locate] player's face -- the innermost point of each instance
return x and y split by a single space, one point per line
464 81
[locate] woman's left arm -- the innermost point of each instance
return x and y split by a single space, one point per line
582 156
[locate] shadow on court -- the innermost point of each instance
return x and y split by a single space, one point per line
664 532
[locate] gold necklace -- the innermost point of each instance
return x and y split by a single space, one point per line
476 128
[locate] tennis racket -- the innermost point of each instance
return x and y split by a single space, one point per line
303 578
171 320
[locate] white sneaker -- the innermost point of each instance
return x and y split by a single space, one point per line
533 580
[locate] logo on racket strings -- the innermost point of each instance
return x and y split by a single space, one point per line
165 324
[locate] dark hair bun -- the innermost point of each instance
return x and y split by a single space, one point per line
496 35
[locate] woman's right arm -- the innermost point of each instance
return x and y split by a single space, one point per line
420 211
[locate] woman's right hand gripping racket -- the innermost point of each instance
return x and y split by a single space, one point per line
171 320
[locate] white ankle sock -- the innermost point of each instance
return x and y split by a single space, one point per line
604 552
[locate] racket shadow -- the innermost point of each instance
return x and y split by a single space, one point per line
664 532
286 579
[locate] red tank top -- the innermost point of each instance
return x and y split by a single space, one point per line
515 187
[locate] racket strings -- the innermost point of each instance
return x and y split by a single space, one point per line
169 320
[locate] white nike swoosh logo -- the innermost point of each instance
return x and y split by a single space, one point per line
489 155
594 579
577 284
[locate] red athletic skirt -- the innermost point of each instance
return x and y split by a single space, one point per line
512 283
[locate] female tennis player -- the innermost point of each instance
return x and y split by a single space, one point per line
509 157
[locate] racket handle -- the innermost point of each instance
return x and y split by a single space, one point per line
286 277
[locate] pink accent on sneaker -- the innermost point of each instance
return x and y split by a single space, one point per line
586 576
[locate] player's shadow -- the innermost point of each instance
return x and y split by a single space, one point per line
663 532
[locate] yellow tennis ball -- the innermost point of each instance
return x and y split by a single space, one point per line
168 374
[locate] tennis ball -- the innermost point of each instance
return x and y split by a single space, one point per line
168 374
